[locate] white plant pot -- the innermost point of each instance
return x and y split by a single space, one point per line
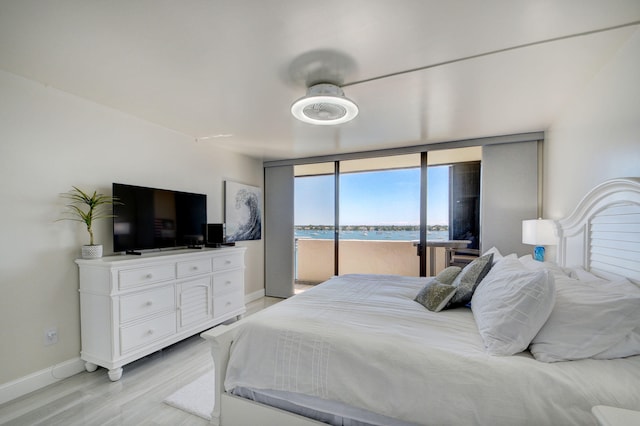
92 252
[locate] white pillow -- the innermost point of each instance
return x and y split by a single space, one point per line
510 306
529 263
629 346
580 274
497 256
589 319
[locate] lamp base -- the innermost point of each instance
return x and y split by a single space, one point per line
538 253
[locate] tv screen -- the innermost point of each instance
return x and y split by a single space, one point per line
150 218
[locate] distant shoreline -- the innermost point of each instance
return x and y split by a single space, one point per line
398 233
372 228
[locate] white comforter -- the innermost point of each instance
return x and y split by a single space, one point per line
363 341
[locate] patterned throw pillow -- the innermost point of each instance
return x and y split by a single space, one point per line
448 274
435 295
467 280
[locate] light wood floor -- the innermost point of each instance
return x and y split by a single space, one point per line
136 399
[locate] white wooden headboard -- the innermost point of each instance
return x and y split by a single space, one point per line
602 235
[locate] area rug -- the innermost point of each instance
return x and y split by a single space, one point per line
195 398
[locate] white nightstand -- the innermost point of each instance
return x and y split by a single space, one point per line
612 416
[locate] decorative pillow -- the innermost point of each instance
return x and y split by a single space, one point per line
589 319
435 295
447 275
511 305
469 278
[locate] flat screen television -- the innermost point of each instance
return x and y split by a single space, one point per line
151 218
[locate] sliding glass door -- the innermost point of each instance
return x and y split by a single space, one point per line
379 207
405 214
453 208
315 222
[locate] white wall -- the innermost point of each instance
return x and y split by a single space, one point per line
598 136
49 141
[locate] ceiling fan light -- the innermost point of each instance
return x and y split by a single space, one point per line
325 105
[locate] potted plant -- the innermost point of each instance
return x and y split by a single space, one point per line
87 208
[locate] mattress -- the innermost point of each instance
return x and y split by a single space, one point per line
360 342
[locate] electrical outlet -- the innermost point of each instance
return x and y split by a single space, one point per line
51 336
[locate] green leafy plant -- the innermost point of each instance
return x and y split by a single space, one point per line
87 208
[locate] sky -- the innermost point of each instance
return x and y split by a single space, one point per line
390 197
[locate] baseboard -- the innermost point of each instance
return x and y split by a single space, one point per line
248 298
34 381
39 379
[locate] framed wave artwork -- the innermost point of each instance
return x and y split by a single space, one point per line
242 212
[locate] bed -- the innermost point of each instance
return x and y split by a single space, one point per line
359 349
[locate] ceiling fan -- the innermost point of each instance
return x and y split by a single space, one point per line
324 104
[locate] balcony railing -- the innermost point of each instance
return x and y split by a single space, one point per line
314 258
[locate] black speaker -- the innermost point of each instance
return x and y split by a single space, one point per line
216 234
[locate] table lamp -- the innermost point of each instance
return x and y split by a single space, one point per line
538 232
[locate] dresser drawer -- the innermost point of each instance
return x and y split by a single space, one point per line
194 267
142 334
151 274
146 303
231 260
226 282
228 302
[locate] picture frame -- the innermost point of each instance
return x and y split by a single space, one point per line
243 212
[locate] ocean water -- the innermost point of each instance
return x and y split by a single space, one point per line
371 235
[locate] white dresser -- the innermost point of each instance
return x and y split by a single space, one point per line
131 306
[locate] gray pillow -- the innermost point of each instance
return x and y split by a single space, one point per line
467 280
447 275
435 295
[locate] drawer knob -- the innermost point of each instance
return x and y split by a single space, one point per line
148 276
151 331
194 268
227 262
228 304
227 282
149 303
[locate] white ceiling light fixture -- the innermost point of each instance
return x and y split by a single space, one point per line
325 104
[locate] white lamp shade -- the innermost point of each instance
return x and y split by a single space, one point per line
539 232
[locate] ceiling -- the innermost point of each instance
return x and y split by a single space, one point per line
226 72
